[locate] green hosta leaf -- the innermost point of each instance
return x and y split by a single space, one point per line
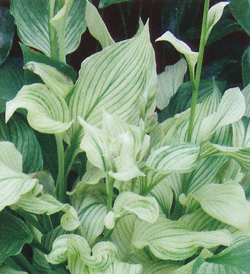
225 202
168 159
96 26
11 81
145 208
170 240
53 78
241 11
214 15
93 174
49 205
13 183
14 234
47 113
24 138
113 80
9 270
234 259
7 30
169 82
241 155
119 267
231 109
246 67
191 57
33 22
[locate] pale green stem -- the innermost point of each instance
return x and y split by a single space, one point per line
61 182
52 32
109 185
196 81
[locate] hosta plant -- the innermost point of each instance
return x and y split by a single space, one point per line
91 182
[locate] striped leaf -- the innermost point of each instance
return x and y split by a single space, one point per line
145 208
179 158
24 138
169 82
14 234
241 155
47 111
171 240
191 56
113 80
48 204
13 182
33 23
232 260
96 26
226 203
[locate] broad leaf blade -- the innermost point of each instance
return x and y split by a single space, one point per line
24 138
170 240
113 80
225 202
47 113
14 234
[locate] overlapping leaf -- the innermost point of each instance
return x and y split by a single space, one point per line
47 111
170 240
145 208
113 80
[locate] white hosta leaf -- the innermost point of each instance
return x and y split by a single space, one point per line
145 208
179 158
33 23
126 169
191 57
55 80
49 205
160 267
225 202
96 26
93 174
213 16
246 93
241 155
10 156
47 111
169 81
113 80
94 143
13 185
231 109
170 240
76 250
119 267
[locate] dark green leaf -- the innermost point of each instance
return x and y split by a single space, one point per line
31 55
179 15
234 259
241 12
14 234
49 151
7 29
11 81
246 67
24 138
106 3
